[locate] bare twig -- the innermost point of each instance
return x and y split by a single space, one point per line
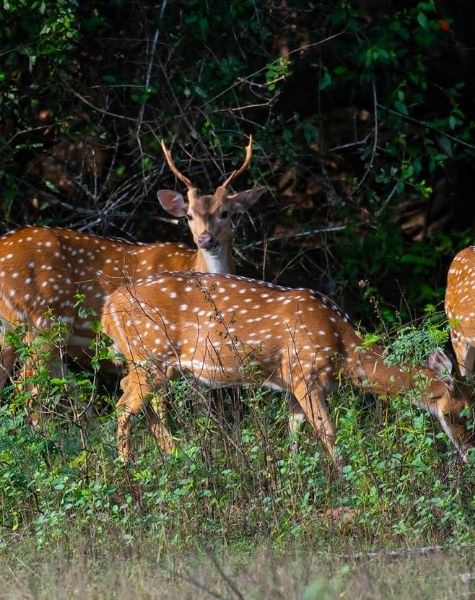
280 238
297 50
428 125
375 140
146 85
388 199
226 579
351 146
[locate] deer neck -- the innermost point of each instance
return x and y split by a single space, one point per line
368 370
219 260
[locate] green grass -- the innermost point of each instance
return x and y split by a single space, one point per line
118 571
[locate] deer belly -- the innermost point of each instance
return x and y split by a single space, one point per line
211 373
217 372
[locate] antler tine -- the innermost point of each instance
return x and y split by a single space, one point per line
244 165
172 166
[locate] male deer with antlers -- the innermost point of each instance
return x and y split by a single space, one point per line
42 269
460 308
229 330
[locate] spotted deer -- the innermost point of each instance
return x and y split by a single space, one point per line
227 331
42 269
460 308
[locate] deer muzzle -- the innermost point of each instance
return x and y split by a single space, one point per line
206 241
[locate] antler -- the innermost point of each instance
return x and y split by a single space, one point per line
244 165
172 166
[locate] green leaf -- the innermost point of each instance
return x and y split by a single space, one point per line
422 20
340 71
446 144
325 80
427 6
413 259
400 107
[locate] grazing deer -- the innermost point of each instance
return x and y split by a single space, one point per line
42 269
460 308
229 330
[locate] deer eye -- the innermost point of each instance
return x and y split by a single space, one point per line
224 214
189 217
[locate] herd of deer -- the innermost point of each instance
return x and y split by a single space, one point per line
170 309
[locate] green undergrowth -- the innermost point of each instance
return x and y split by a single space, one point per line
236 480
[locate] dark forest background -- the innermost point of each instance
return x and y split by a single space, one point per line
362 114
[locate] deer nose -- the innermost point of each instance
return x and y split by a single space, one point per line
206 240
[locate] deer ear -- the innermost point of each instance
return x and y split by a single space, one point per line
242 201
439 362
173 202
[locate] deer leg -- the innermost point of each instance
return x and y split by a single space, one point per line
34 410
135 399
48 355
466 364
464 352
296 416
7 360
447 411
295 420
155 413
314 407
130 404
8 354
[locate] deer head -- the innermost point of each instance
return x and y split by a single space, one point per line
209 216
